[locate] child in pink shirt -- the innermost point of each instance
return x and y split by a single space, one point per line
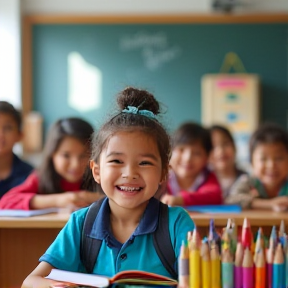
58 181
190 182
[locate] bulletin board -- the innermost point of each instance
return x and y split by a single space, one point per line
232 100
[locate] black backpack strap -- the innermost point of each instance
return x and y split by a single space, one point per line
90 247
162 241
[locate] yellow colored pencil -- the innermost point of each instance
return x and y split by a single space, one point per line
215 266
194 261
205 265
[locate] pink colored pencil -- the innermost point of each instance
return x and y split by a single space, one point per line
248 269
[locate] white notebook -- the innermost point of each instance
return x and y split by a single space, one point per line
26 213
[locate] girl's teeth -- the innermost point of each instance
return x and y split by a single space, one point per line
129 189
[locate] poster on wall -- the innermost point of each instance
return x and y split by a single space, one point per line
232 100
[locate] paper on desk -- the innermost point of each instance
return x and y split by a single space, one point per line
26 213
214 208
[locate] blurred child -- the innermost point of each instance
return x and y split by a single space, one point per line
268 187
13 170
190 182
223 158
130 156
65 157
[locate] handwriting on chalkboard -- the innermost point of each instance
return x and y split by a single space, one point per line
154 48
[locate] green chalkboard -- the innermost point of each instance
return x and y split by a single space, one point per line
167 59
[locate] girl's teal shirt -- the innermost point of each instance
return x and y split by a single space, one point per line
137 253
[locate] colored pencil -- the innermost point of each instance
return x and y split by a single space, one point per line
215 266
248 273
238 275
260 269
205 265
194 261
259 243
286 266
246 237
278 268
270 258
183 281
232 230
213 235
227 269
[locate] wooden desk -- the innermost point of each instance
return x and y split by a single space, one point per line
24 240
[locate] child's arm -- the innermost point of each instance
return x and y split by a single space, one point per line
243 193
36 278
19 197
278 204
208 194
66 199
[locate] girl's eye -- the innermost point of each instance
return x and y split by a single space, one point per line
115 161
66 155
144 163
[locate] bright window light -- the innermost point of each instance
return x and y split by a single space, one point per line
84 84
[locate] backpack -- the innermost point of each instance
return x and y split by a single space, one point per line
161 239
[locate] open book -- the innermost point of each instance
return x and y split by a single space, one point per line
125 277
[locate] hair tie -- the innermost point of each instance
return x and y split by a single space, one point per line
135 110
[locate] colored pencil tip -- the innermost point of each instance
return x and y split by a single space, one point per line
246 223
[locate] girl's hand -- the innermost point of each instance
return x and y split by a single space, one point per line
172 200
71 200
279 204
91 197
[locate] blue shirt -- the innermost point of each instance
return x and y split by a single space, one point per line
20 171
137 253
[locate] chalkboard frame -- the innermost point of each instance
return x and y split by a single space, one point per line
212 18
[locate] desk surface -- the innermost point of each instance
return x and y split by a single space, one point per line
256 218
54 220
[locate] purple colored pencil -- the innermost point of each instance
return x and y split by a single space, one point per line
269 269
238 277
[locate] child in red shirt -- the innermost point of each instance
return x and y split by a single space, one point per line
65 158
190 182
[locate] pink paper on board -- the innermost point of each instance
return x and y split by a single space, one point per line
231 83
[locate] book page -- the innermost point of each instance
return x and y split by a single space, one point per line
79 278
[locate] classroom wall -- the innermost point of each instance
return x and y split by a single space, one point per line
10 21
139 6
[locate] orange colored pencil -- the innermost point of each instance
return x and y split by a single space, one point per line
260 269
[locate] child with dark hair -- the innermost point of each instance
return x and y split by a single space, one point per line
190 182
13 170
130 157
223 158
268 187
65 157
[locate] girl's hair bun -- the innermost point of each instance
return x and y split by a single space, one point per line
141 99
